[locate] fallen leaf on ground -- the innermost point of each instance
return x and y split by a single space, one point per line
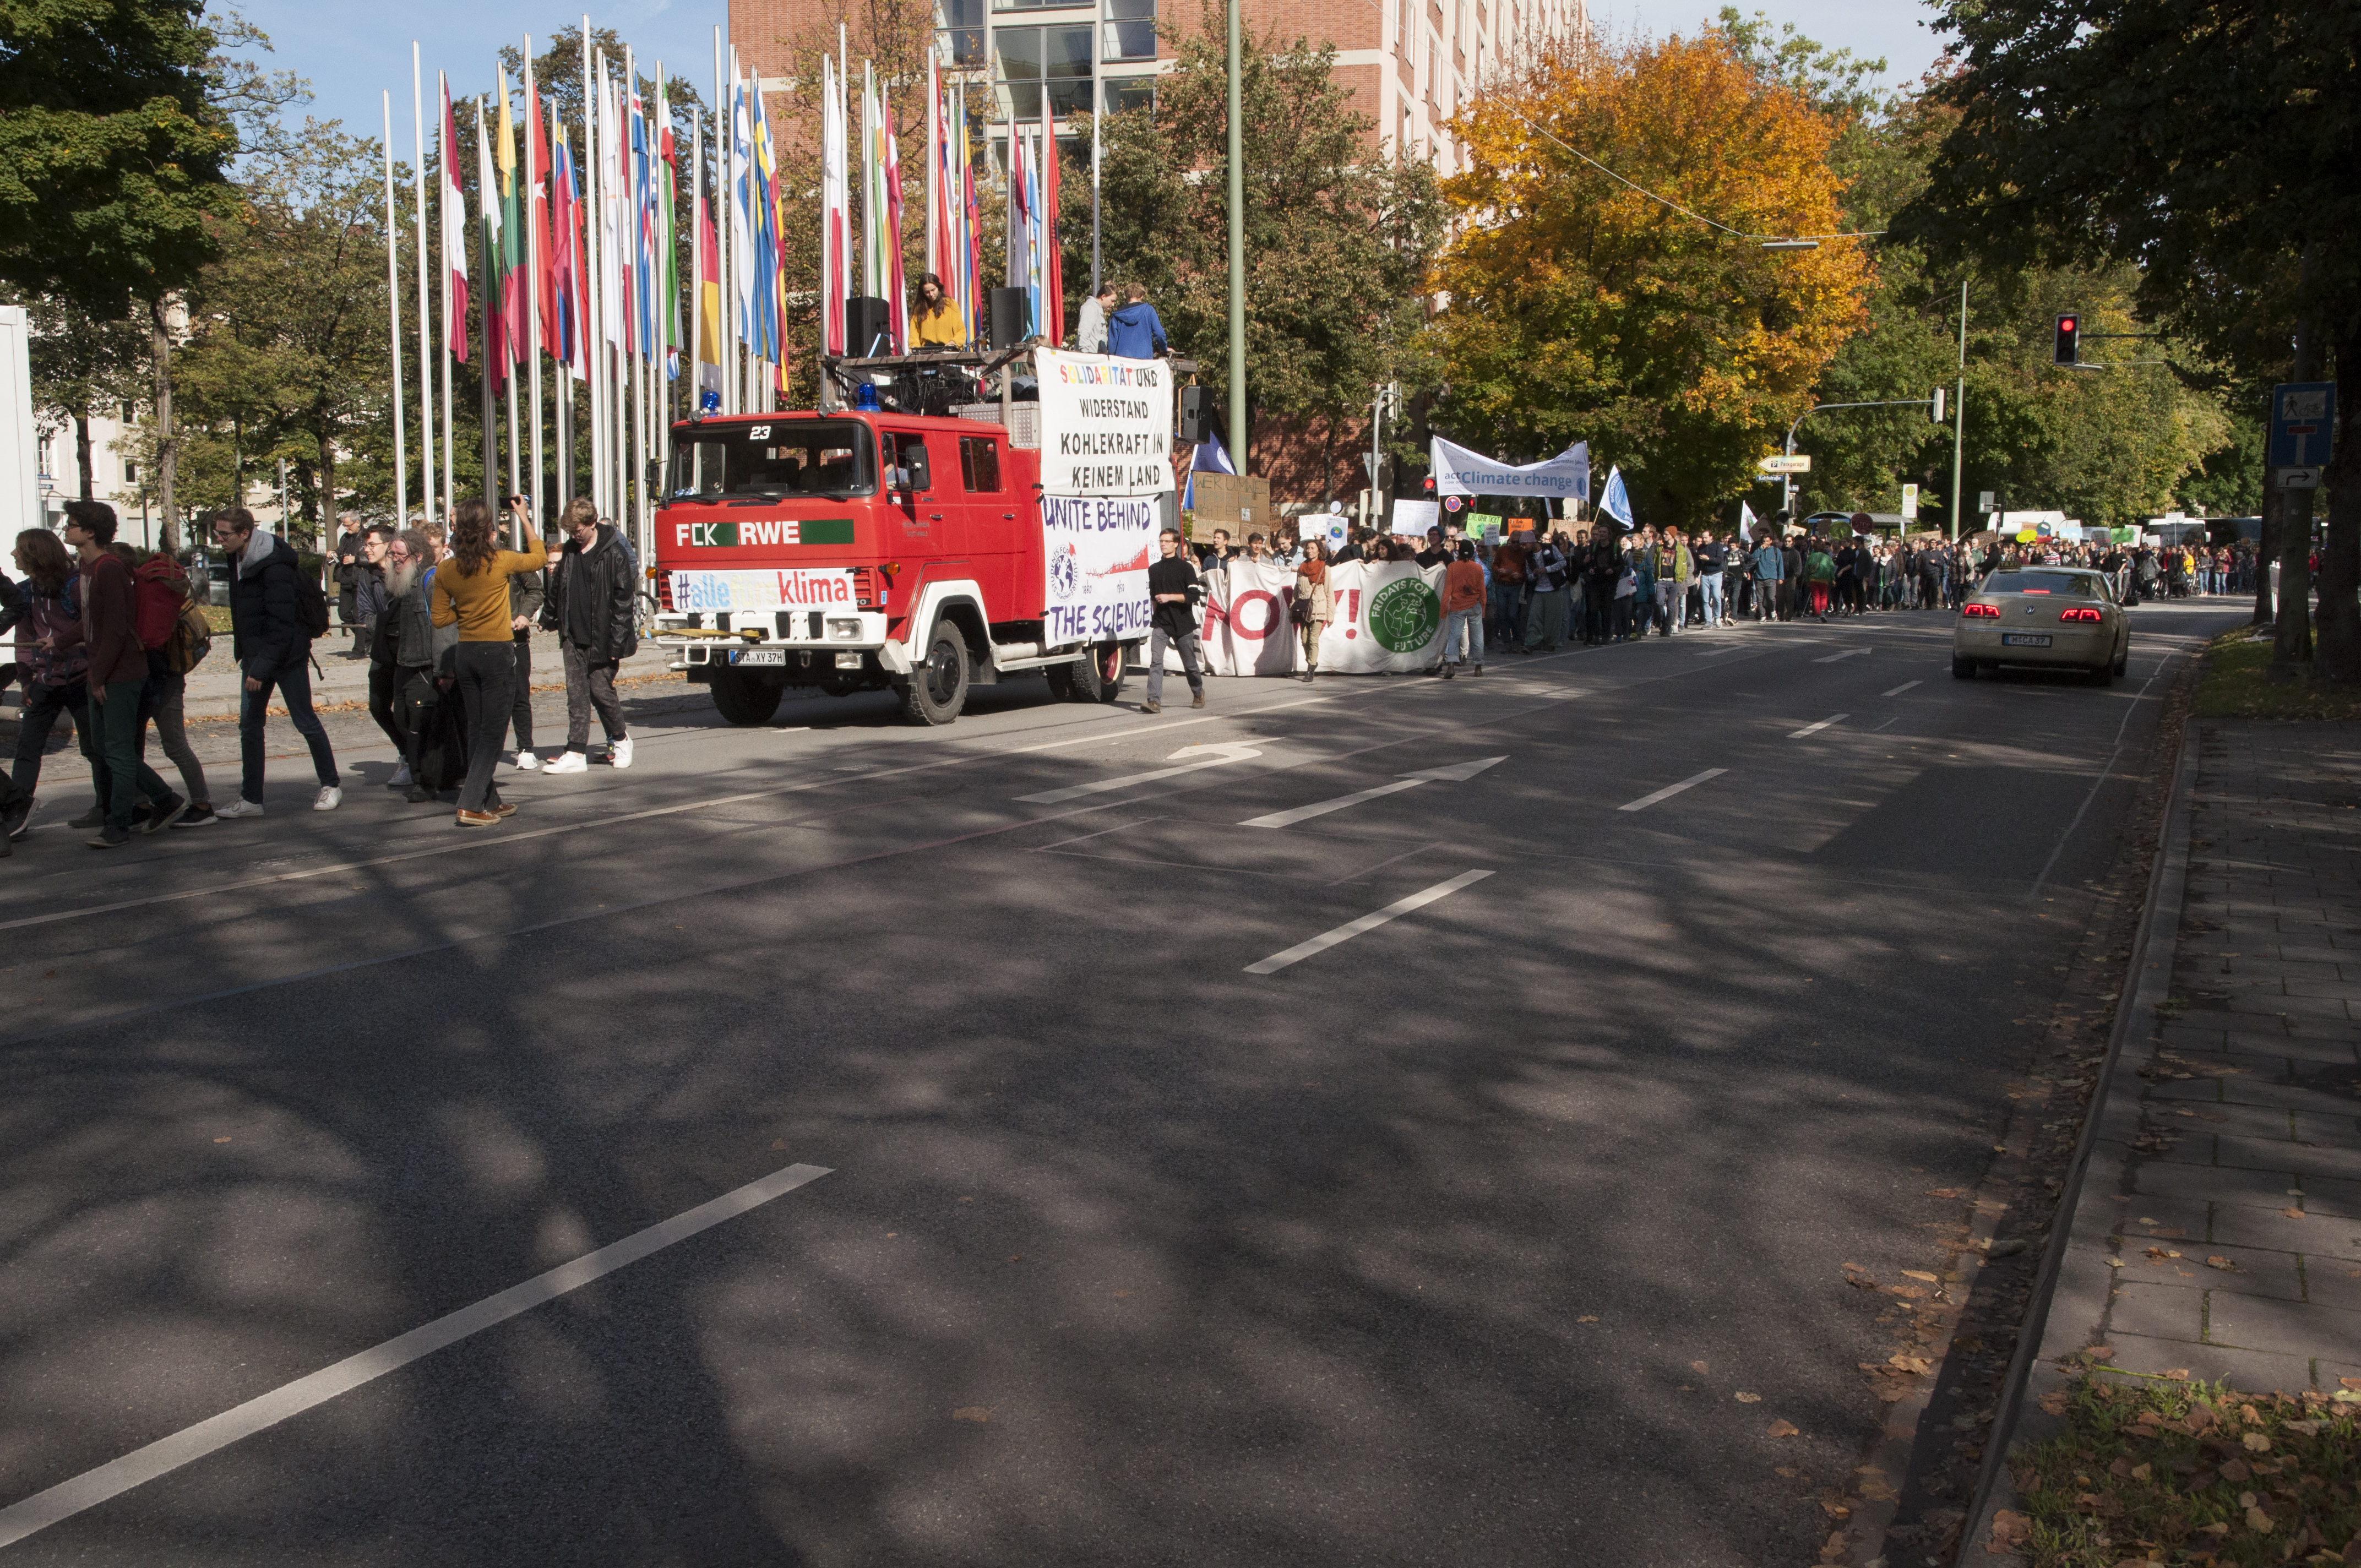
2257 1443
1946 1192
2258 1520
2009 1530
1697 1367
2054 1403
1785 1429
978 1413
2142 1472
2224 1263
221 1140
1918 1274
1749 1399
2236 1472
1917 1364
2292 1213
2158 1254
2348 1382
1787 1470
2114 1262
1590 1318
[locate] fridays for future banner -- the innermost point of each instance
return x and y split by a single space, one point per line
1389 617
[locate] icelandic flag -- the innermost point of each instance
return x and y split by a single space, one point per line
1612 501
1746 521
1208 458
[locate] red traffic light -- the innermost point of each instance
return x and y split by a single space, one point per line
2068 346
2065 323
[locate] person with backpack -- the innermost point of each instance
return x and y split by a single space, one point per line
404 696
118 668
276 611
589 605
175 637
50 648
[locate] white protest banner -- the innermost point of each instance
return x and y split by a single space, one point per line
1095 552
1106 425
1246 629
794 587
1388 615
1414 518
1460 472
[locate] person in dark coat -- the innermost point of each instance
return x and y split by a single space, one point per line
1173 592
589 604
273 650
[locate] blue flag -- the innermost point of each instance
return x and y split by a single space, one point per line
1209 458
1613 501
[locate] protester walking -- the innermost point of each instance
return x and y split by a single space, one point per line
1545 617
275 614
1314 604
404 698
50 648
367 590
174 636
589 607
1769 566
525 594
349 564
1172 591
471 592
1820 571
118 668
1463 612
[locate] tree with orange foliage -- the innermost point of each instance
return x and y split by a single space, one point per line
1576 307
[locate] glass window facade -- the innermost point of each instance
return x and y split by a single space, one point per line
1130 31
961 35
1129 92
1028 62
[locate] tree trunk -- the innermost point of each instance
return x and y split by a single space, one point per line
167 446
82 452
2291 639
2338 657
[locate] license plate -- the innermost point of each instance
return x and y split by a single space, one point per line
779 655
2023 639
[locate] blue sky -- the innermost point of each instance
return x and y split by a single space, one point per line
351 52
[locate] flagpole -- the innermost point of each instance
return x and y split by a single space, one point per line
726 338
536 198
667 314
696 264
635 332
486 397
564 367
594 342
393 328
442 200
426 292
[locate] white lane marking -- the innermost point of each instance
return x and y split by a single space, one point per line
1816 729
1214 754
1848 654
166 1455
1895 719
1669 790
1352 929
1457 773
1100 834
1904 686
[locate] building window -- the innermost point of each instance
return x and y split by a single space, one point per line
1129 92
1130 32
131 473
1030 60
962 33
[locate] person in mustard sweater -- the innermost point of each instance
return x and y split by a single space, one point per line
471 591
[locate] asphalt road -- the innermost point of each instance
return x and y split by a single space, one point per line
1405 1251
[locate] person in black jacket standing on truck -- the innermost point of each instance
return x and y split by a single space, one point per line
1172 594
590 605
273 647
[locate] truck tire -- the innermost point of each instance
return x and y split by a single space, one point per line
744 699
937 689
1096 678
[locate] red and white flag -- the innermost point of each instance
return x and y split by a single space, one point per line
454 233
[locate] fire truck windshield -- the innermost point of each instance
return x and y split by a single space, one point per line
835 458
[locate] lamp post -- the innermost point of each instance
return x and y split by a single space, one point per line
1237 261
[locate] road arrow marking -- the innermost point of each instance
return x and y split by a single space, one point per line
1669 790
1848 654
1904 686
1816 729
1352 929
1212 755
1457 773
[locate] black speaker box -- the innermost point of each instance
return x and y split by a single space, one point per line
1196 412
868 327
1012 311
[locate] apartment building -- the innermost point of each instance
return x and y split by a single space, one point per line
1409 63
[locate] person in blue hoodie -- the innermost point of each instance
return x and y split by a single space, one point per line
1135 331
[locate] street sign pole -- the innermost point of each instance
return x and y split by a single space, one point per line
1959 412
2302 438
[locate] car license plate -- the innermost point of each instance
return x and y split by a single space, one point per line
2023 639
779 655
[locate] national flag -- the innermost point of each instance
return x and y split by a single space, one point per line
1746 521
455 231
511 254
709 284
741 202
897 294
537 214
568 283
487 212
835 200
1053 261
1020 223
668 248
606 211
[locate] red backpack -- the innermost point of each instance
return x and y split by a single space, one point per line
160 589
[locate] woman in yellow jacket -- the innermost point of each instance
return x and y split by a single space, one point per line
471 591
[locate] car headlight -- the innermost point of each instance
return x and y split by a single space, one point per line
844 630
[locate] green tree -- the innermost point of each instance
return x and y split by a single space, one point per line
2208 142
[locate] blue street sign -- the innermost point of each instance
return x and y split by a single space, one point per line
2303 423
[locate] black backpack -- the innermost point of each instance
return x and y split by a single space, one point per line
310 607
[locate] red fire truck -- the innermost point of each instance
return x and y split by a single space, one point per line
859 549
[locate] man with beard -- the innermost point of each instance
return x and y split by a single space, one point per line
403 697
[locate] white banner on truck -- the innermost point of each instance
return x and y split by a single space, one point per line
1095 552
1106 425
793 588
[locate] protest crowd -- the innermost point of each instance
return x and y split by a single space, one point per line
106 637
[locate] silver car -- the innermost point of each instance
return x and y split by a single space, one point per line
2049 615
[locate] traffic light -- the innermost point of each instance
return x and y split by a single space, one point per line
1935 405
2070 339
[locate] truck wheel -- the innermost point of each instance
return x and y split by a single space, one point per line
1097 677
937 689
744 699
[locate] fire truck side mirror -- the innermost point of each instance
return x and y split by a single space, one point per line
914 458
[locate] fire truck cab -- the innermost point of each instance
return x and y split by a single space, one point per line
860 548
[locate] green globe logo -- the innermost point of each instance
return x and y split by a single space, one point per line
1404 615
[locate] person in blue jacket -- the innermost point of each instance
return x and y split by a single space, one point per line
1135 331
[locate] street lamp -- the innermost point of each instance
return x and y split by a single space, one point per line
1791 245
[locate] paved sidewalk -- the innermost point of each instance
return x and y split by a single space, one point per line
2216 1233
213 684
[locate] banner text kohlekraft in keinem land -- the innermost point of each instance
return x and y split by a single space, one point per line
1106 425
1095 552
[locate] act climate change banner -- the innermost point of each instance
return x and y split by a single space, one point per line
1389 617
1460 472
1106 425
1095 553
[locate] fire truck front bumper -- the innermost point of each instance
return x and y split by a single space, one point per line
781 639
